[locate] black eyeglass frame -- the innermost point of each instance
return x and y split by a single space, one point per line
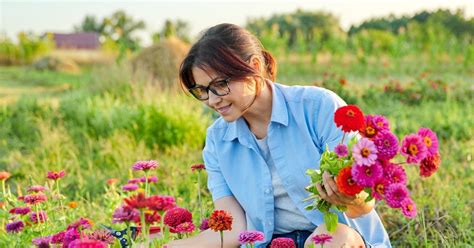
210 88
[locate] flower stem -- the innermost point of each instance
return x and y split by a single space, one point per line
147 193
199 196
222 239
343 136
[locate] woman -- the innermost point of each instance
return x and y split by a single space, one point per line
267 136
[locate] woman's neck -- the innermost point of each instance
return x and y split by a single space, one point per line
259 115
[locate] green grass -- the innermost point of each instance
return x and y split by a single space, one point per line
100 125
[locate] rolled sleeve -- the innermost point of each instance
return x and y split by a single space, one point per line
215 180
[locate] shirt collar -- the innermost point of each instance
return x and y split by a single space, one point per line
239 129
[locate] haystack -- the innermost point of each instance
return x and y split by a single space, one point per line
53 63
160 63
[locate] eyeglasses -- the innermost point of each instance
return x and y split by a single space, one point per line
219 88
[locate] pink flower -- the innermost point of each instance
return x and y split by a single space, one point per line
161 203
413 148
197 167
204 224
14 227
125 213
321 239
408 208
55 175
134 181
35 198
102 235
87 243
145 165
387 145
341 150
364 152
250 237
394 173
366 176
41 216
283 243
176 216
58 238
41 241
20 210
152 179
379 122
82 223
429 165
36 188
70 235
430 139
130 187
186 227
395 194
379 188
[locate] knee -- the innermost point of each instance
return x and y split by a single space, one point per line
344 236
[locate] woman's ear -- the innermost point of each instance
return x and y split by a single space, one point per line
256 63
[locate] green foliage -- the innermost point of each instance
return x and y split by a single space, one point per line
28 48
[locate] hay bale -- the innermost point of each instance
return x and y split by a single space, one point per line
159 64
52 63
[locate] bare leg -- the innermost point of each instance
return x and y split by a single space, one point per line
344 236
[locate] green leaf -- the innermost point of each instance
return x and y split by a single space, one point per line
330 219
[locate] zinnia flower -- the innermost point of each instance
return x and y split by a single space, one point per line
82 223
349 118
250 237
176 216
42 242
20 210
138 201
378 190
321 239
41 216
58 238
394 173
366 176
197 167
395 194
145 165
87 243
364 152
408 207
430 139
35 198
72 204
386 144
430 165
220 220
345 182
70 235
283 243
413 148
341 150
134 181
204 224
55 175
152 217
130 187
161 203
379 122
152 179
186 227
14 227
125 213
4 175
102 235
36 188
112 181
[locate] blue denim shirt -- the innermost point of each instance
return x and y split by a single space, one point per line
300 127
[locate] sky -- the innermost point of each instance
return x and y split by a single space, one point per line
41 16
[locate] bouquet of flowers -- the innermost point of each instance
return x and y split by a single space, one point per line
366 167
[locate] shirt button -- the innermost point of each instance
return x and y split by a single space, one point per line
268 191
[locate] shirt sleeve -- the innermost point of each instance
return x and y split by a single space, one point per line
215 180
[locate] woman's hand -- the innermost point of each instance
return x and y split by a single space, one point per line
356 206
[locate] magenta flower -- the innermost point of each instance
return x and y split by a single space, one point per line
70 235
82 223
413 148
379 122
366 176
321 239
20 210
394 173
161 202
387 145
197 167
130 187
176 216
102 235
283 243
408 207
204 224
430 139
185 227
125 214
42 241
41 216
87 243
378 190
250 237
152 179
364 152
134 181
341 150
14 227
36 188
55 175
395 194
35 198
145 165
58 238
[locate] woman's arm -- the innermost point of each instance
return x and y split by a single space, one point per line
209 238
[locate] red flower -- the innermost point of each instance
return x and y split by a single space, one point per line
152 217
345 182
176 216
138 201
161 203
283 243
429 165
55 175
35 198
197 167
112 181
220 220
4 175
349 118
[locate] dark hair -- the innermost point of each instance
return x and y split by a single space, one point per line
225 49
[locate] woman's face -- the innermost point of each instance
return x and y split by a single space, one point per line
231 106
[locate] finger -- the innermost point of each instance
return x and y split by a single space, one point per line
330 183
321 191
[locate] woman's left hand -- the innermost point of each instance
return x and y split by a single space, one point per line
328 191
